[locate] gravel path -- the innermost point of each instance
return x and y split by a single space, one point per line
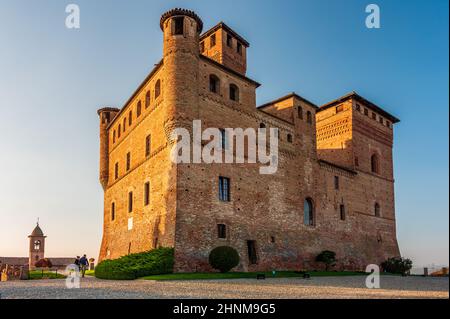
318 287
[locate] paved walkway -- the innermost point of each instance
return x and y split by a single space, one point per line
318 287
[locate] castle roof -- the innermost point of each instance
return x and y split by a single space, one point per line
181 12
37 232
356 96
290 95
222 25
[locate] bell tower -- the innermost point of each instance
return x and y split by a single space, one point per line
37 245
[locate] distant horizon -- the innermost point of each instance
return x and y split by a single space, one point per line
54 79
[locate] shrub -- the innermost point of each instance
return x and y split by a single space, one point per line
397 265
224 258
154 262
327 257
44 263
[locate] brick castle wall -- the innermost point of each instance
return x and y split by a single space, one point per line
184 208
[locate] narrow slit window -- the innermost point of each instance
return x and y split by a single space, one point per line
130 202
116 171
336 182
139 109
147 193
148 141
147 99
342 211
224 189
128 161
157 89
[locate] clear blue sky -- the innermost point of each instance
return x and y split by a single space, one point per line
52 81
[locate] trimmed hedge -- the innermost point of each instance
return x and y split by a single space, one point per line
154 262
224 258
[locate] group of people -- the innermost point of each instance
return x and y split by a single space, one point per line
82 263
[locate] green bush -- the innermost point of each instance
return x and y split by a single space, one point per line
397 265
223 258
154 262
327 257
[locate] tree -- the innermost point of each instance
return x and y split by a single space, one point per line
224 258
397 265
44 263
328 258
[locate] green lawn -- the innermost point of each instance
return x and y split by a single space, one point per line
90 273
237 275
37 274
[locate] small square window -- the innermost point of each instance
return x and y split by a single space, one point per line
221 231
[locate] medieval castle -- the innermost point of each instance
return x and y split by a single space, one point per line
333 190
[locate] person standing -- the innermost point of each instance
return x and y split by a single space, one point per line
77 262
84 263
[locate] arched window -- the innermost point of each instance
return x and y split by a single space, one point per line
309 117
234 93
138 109
214 84
377 209
37 245
300 113
157 89
374 164
308 212
147 99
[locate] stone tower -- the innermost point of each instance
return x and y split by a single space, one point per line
37 245
181 56
106 115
